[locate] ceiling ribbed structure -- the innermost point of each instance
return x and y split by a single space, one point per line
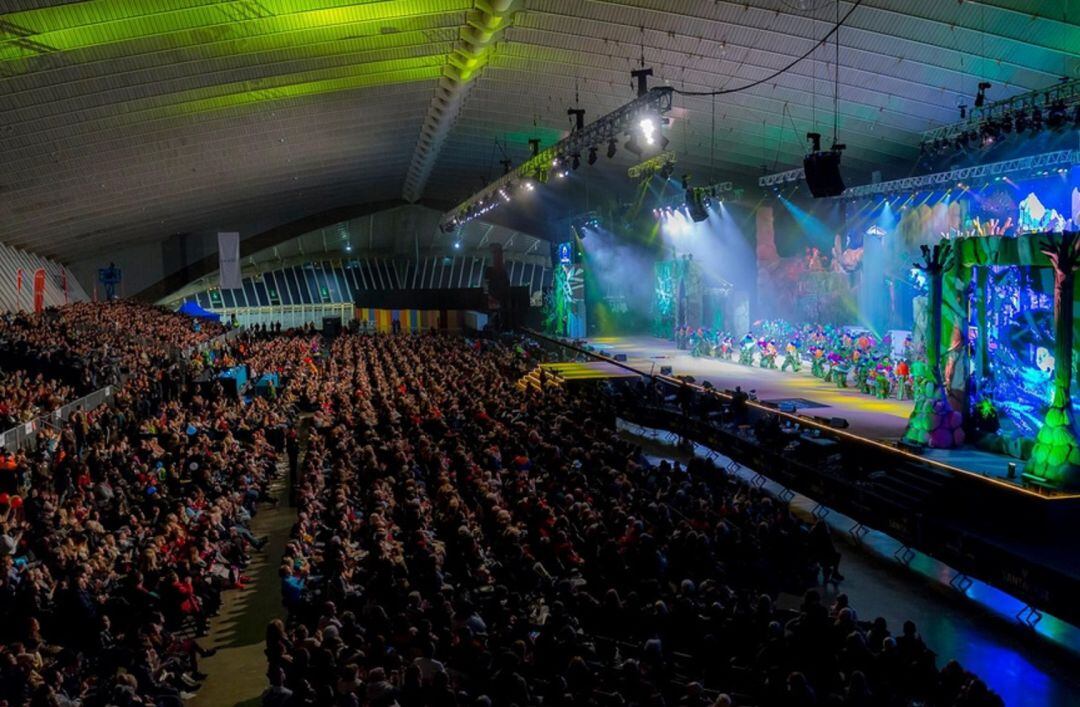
126 122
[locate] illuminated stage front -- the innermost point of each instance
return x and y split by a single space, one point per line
884 420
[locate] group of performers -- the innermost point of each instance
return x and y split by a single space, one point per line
835 354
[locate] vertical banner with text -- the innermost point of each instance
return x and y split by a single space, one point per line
229 260
39 289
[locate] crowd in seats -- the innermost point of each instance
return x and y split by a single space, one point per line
119 533
25 396
460 542
88 345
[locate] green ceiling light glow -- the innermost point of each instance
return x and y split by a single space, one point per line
188 23
296 90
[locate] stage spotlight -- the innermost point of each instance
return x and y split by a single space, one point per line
1036 119
1021 121
980 97
1076 116
611 148
592 155
457 245
646 135
1055 117
648 128
686 181
1007 124
666 171
575 160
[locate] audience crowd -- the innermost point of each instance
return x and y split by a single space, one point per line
459 540
73 350
462 542
121 529
24 396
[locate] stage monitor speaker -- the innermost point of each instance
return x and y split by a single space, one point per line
621 358
823 173
665 370
838 422
913 447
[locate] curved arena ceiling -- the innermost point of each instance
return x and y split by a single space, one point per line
126 121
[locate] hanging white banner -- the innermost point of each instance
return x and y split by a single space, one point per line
229 260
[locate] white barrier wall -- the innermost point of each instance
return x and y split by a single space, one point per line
12 259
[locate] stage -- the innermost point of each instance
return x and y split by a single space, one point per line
867 416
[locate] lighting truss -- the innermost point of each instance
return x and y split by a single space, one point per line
1067 92
792 175
1032 163
599 132
652 165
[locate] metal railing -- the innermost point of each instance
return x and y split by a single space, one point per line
216 342
25 434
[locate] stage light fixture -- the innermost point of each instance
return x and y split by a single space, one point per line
648 128
611 147
1036 119
980 97
575 160
1021 121
457 245
1055 117
592 155
646 135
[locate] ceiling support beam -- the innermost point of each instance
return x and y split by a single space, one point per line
484 25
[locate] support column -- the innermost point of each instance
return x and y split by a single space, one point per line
982 349
933 421
1055 459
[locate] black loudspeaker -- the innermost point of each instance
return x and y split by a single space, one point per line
695 204
621 358
838 423
331 326
913 447
823 173
665 370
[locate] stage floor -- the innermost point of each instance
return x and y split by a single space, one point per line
870 417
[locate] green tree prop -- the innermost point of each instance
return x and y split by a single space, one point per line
933 421
1055 458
